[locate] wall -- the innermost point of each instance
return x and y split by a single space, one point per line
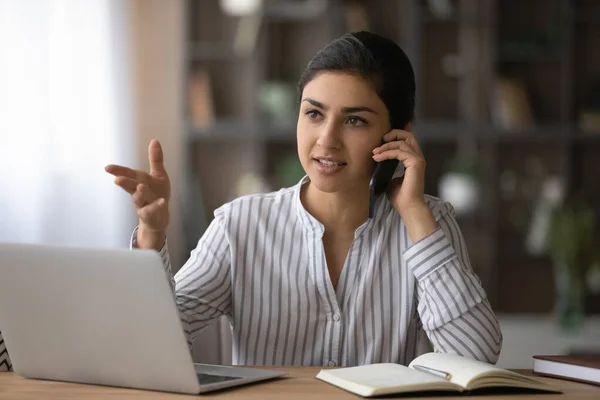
157 28
157 61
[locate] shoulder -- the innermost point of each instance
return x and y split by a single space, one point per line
439 208
257 205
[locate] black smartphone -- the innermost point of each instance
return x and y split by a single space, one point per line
381 178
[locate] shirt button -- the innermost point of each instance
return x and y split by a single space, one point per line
332 363
336 317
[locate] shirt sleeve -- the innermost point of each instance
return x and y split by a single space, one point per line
164 254
5 364
452 304
202 286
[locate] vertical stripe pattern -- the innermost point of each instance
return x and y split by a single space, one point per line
5 364
262 263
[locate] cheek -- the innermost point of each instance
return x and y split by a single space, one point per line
361 152
362 147
304 139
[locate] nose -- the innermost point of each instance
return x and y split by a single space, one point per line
329 136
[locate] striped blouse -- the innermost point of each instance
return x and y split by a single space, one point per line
261 263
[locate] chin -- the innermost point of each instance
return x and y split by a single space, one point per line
334 179
330 184
327 185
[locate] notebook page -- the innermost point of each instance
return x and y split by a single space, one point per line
376 377
463 369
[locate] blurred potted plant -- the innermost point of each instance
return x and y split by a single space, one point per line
459 185
289 171
570 245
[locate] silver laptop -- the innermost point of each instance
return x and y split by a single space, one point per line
101 316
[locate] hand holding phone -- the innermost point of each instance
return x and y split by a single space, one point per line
400 148
384 172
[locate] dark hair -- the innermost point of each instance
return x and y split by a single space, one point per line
379 60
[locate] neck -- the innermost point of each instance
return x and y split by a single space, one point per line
338 212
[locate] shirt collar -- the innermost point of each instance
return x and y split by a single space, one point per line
312 225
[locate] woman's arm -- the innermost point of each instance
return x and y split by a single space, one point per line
453 305
202 286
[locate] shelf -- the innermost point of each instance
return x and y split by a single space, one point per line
428 19
438 130
530 58
235 130
427 131
305 10
450 130
539 133
525 50
589 17
212 51
592 137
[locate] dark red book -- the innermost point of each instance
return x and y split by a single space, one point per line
581 368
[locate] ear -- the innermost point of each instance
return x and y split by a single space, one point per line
408 127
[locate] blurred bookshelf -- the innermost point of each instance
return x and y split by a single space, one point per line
501 84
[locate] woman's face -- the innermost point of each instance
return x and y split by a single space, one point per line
341 121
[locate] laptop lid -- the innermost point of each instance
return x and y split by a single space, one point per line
100 316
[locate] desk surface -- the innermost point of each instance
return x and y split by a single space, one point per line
299 384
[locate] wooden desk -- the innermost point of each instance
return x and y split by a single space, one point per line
299 384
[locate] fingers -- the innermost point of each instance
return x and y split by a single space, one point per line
408 137
128 184
400 151
155 156
153 211
391 146
394 154
119 170
143 196
398 134
140 193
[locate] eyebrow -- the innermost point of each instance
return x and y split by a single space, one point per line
345 110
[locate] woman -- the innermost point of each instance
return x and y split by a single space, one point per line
304 276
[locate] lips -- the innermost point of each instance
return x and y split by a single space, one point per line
328 166
329 162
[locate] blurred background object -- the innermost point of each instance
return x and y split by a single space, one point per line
508 116
278 103
511 109
571 247
589 116
459 185
202 112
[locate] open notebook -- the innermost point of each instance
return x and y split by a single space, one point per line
429 372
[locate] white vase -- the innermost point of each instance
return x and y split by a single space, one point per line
461 191
239 8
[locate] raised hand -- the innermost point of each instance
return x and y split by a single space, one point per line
150 193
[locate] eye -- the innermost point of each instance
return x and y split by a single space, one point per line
312 114
356 121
